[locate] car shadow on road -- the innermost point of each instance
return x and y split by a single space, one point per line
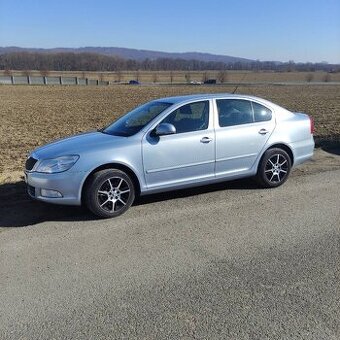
18 210
244 184
335 150
330 145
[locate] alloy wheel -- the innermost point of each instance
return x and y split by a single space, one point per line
113 194
276 168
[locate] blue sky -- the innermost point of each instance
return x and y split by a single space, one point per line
299 30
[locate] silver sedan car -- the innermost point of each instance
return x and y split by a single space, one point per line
168 144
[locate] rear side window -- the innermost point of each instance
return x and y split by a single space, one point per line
234 112
261 113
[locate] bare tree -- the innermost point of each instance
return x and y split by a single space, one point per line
44 72
171 76
327 78
7 72
119 76
155 77
137 75
26 73
291 66
222 76
96 63
309 77
205 77
101 76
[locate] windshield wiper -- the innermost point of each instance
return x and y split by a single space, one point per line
102 131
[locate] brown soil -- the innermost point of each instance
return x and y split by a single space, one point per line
33 115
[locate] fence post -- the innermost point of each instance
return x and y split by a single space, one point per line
45 80
87 81
97 82
12 80
61 80
29 80
77 81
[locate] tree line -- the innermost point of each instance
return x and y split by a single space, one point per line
98 62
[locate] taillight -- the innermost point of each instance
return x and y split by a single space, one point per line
312 129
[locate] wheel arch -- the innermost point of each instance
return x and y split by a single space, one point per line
117 166
279 146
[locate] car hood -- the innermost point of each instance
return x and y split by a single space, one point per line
78 144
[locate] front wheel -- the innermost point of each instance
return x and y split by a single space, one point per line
274 168
109 193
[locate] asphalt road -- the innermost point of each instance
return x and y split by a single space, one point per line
224 262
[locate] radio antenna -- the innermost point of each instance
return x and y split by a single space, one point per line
244 76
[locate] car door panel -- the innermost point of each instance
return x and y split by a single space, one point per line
238 145
179 158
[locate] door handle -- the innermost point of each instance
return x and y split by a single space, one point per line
206 140
263 131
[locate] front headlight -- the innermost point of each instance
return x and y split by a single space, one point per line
59 164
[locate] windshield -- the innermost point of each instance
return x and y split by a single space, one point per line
135 120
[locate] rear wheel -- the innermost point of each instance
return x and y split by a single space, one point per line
109 193
274 168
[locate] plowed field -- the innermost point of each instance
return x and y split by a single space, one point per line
33 115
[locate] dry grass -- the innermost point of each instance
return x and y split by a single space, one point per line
33 115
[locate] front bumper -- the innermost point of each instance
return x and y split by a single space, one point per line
68 184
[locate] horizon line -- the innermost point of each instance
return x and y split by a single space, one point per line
186 52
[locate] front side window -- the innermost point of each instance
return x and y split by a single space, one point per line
234 112
135 120
190 117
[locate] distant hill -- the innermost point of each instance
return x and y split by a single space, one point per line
130 53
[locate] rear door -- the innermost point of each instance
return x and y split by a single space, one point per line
242 130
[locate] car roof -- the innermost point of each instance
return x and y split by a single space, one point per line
192 97
186 98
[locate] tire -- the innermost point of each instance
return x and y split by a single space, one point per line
274 168
109 193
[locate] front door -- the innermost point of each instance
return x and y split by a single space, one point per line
186 156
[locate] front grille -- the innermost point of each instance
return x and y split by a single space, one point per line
31 190
30 162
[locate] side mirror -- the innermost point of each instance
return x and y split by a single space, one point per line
164 129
